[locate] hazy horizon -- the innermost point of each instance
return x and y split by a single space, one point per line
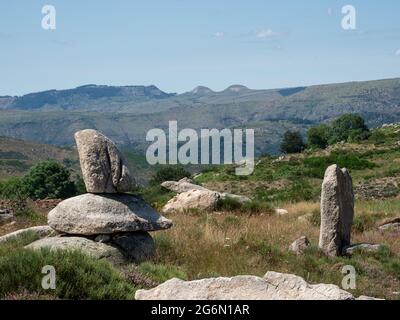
178 45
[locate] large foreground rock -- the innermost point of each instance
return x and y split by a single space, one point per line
103 167
194 199
91 214
137 246
274 286
337 211
94 249
39 232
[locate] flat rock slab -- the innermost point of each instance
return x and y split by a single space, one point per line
103 166
91 214
274 286
40 232
94 249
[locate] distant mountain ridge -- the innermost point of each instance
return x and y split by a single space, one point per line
83 97
125 114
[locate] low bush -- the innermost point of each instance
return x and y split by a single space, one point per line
77 275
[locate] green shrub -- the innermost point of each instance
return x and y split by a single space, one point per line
316 166
228 204
49 179
292 142
251 207
156 195
349 126
318 137
77 275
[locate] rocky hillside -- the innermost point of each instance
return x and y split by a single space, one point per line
374 165
126 113
17 156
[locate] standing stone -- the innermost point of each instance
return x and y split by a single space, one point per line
337 211
103 167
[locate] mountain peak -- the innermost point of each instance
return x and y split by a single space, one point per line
201 90
237 88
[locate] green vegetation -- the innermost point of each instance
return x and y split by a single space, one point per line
169 173
46 180
161 273
252 207
348 128
292 142
318 137
49 179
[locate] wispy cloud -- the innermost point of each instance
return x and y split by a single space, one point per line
219 34
397 53
267 33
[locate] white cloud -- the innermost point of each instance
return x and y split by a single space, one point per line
268 33
219 34
397 53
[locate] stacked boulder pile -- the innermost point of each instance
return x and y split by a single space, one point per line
107 222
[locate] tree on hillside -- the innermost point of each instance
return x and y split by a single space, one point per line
49 179
349 127
318 137
292 142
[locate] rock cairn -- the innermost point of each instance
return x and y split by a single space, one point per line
337 211
106 222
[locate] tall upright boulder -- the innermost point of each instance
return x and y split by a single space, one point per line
337 211
103 167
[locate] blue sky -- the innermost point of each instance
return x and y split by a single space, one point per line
179 44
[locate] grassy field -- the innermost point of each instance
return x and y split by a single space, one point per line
239 240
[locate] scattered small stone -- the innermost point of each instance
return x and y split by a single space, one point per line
300 245
305 218
363 247
281 212
391 225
